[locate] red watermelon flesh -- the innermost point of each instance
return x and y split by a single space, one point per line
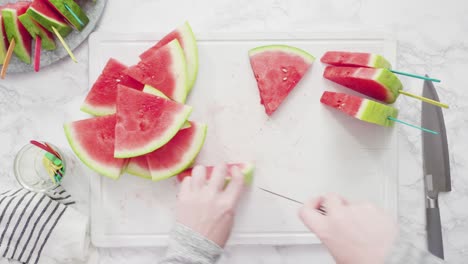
92 140
14 29
102 97
246 169
145 122
278 69
355 59
138 166
165 70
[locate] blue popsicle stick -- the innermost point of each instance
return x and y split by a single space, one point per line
420 128
415 76
73 14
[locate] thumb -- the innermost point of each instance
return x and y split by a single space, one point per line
311 217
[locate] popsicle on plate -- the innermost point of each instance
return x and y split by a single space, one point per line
45 15
3 39
72 12
36 30
360 108
380 84
14 29
355 59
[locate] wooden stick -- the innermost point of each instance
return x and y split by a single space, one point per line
415 76
413 126
7 59
424 99
37 54
65 45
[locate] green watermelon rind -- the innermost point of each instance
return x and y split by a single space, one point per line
191 155
377 113
106 171
158 143
97 110
136 171
180 67
284 48
3 47
391 81
48 23
34 30
248 172
378 61
191 48
60 6
9 17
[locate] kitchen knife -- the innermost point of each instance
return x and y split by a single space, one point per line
321 209
436 168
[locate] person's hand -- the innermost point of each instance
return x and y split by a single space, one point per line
353 233
208 206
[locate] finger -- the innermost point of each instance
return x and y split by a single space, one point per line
198 177
332 202
185 185
312 219
218 178
236 186
314 203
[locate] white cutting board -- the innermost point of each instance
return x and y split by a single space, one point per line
303 150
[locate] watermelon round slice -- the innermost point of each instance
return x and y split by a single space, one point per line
188 42
165 70
380 84
177 154
36 30
102 97
138 166
246 168
48 17
14 29
92 140
145 122
278 69
355 59
360 108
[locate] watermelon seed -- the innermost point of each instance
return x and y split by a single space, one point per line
285 78
284 70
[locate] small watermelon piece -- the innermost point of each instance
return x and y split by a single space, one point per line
278 69
3 39
246 168
355 59
92 140
14 29
138 166
36 30
47 17
165 70
102 97
60 7
380 84
360 108
178 154
187 41
145 122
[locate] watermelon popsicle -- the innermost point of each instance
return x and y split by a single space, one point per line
14 29
3 39
47 17
71 11
38 31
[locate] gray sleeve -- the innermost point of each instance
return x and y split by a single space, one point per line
188 247
404 252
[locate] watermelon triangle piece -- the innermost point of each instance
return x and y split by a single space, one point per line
76 17
3 39
187 41
278 69
48 17
92 140
178 154
14 29
247 170
102 97
145 122
165 70
36 30
138 166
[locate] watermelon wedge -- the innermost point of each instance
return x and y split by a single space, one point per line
46 15
3 39
145 122
380 84
14 29
75 16
165 70
92 140
178 154
138 166
278 69
36 30
355 59
102 97
360 108
246 168
188 42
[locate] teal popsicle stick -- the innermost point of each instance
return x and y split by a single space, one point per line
420 128
415 76
73 14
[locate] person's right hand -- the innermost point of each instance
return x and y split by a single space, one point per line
353 233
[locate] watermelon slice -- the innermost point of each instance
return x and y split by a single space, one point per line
92 140
360 108
165 70
3 39
36 30
188 42
138 166
246 168
178 154
380 84
355 59
101 98
145 122
46 15
75 16
278 69
14 29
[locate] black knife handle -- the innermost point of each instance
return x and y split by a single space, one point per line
434 232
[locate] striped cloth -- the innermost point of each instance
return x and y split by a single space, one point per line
27 220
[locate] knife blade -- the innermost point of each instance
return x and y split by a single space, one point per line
321 209
436 168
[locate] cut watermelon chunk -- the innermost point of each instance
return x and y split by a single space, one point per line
355 59
165 70
246 168
380 84
278 69
138 166
188 42
3 39
360 108
178 154
46 15
145 122
14 29
76 16
102 97
92 140
35 30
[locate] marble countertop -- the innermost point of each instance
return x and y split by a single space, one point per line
432 38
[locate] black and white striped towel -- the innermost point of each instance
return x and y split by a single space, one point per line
35 224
